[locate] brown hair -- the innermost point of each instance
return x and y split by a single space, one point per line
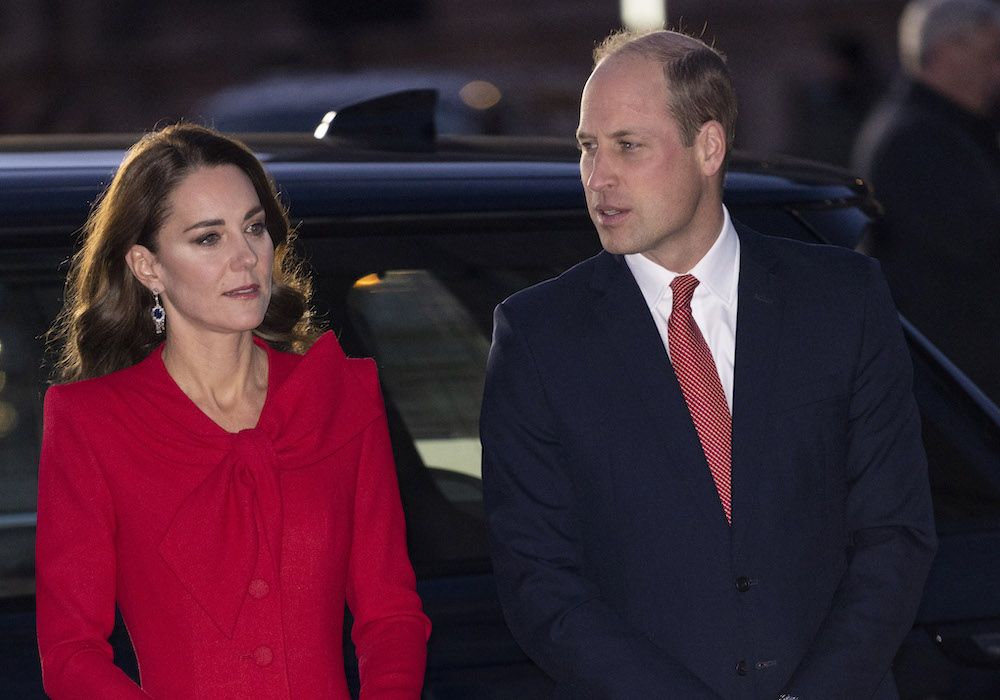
700 87
105 324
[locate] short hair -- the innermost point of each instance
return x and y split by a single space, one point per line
924 24
700 86
105 323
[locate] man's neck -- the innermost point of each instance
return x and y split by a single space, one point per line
682 253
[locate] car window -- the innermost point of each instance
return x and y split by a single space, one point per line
26 309
432 357
429 332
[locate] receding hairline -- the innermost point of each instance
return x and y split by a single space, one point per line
698 82
654 44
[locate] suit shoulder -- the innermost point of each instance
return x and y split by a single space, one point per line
322 371
365 373
87 392
326 355
566 289
818 264
807 253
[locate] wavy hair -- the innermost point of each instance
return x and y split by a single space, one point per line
105 324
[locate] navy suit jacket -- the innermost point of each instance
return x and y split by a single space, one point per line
616 568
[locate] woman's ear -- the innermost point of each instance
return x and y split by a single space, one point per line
142 263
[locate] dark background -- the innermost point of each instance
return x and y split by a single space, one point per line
805 70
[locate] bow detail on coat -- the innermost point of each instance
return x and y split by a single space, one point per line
234 516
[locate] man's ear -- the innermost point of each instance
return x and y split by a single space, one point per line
711 144
142 263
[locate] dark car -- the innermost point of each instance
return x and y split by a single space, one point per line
412 246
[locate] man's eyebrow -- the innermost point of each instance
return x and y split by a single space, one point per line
620 134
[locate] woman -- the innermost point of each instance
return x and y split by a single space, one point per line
228 496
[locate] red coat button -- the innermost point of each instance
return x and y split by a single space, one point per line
259 588
263 656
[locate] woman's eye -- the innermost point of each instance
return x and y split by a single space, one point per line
207 239
257 228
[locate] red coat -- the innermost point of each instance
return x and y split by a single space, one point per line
231 556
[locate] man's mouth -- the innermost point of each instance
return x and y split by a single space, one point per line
610 215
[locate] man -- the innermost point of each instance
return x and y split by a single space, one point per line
931 152
645 544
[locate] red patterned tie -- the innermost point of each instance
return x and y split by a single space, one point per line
699 379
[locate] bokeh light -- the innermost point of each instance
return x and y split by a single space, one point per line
480 94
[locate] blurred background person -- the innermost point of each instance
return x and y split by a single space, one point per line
931 152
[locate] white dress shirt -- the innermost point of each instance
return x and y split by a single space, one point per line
713 304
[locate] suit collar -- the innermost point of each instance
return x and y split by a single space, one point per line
627 329
611 270
636 345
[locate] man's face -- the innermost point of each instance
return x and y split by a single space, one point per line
971 63
984 46
646 191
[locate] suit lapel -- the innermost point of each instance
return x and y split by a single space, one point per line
758 326
628 329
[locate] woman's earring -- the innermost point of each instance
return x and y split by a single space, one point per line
158 314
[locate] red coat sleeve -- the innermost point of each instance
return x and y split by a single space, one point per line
390 631
75 563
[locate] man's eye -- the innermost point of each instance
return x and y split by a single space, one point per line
628 145
585 146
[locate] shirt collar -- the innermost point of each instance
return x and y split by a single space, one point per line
717 271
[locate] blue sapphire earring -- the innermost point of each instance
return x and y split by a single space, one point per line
158 314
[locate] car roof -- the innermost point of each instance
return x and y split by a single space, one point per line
56 176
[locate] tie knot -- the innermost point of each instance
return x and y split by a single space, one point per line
683 289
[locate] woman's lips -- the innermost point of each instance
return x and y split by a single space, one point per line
250 291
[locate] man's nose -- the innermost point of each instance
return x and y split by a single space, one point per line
602 173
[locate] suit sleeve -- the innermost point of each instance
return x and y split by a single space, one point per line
555 612
390 630
889 519
75 564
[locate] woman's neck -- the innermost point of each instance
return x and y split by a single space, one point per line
225 376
